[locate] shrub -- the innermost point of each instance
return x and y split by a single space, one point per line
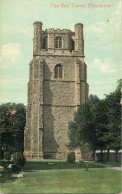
86 165
21 160
16 167
71 157
14 155
80 164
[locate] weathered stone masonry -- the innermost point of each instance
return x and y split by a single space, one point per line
57 87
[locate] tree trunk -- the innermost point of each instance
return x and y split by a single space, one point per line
108 155
0 146
93 155
116 156
101 155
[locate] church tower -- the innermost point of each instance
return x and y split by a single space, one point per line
57 87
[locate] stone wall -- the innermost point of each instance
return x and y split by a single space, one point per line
56 133
59 93
68 65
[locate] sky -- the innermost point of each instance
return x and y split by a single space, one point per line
102 39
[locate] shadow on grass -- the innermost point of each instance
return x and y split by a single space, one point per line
32 166
111 163
6 173
55 165
6 176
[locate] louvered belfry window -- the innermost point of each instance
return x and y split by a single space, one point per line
44 45
58 42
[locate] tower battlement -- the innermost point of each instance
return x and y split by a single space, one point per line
66 39
52 30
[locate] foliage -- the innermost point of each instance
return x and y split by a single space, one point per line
71 157
86 166
16 167
97 123
7 155
12 123
83 129
21 160
112 135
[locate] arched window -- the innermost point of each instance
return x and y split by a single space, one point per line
72 44
58 42
44 46
58 71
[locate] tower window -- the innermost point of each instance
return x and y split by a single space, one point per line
58 71
72 44
45 43
58 42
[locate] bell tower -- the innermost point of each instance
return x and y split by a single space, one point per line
57 87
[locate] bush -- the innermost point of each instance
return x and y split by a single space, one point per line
80 164
21 160
86 165
7 155
14 155
16 167
71 157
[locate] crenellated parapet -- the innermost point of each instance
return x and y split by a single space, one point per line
63 31
69 40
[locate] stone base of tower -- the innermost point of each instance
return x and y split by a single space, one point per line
78 154
62 155
33 155
52 155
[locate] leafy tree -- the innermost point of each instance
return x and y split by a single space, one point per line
97 123
112 135
83 129
100 125
12 123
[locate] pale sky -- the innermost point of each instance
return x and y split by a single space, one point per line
102 38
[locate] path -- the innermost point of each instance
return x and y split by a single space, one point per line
109 166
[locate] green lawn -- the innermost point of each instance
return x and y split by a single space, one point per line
117 164
59 180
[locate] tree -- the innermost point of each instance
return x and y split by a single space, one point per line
112 135
12 120
83 130
100 125
97 123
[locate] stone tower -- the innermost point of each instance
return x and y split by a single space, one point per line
57 87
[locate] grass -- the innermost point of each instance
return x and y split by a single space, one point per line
61 177
51 164
117 164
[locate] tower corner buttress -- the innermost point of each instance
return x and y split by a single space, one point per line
37 40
